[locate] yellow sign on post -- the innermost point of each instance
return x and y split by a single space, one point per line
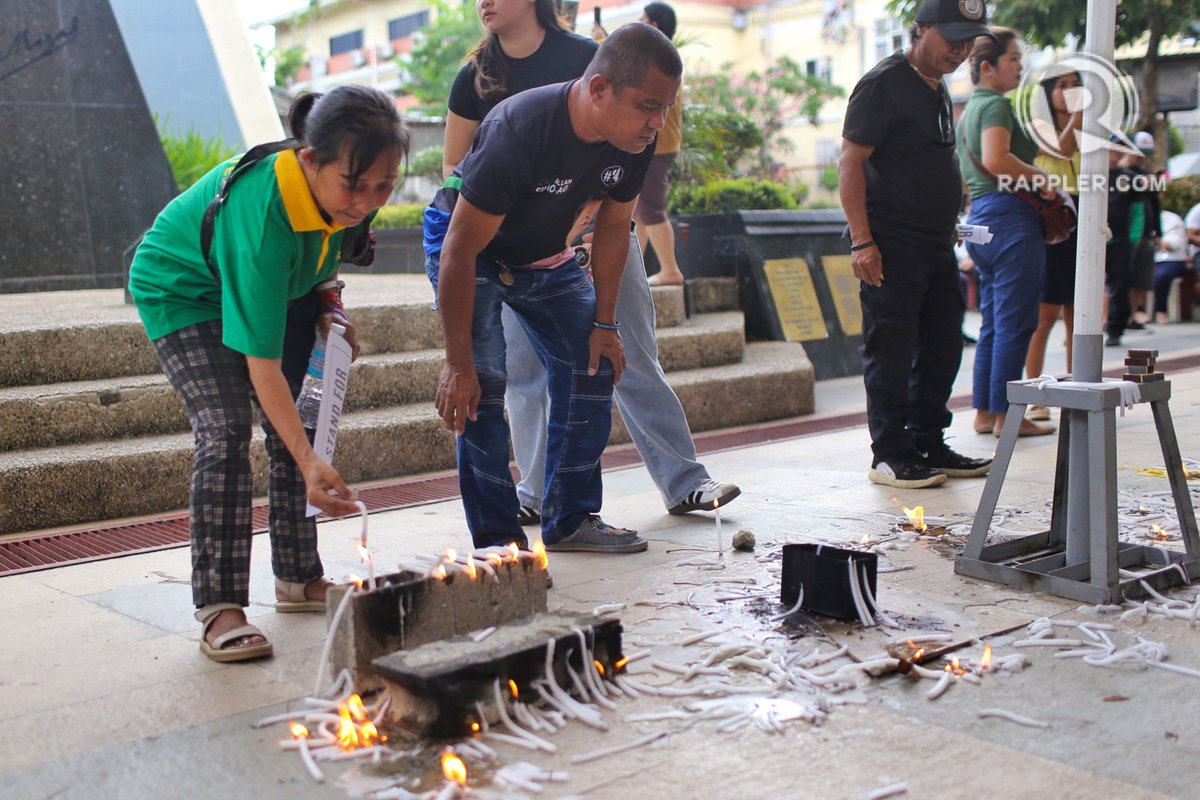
844 288
795 299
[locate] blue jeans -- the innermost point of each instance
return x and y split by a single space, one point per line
651 411
555 308
1011 268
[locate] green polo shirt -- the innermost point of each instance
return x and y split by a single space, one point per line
989 109
271 245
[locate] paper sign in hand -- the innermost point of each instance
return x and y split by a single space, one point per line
338 355
978 234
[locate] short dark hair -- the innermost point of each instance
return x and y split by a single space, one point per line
359 122
625 57
990 50
663 17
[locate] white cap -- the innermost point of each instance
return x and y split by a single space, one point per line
1144 141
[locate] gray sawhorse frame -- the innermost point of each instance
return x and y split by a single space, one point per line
1080 556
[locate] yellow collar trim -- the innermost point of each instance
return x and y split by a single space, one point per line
302 210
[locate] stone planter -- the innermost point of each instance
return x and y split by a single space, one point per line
793 274
396 250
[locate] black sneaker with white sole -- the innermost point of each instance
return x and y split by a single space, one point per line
706 497
941 458
905 472
528 515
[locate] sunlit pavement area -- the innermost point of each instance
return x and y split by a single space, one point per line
106 695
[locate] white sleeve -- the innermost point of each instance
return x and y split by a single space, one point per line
1193 218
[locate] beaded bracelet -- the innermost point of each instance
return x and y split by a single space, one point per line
606 326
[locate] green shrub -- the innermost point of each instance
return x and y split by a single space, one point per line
400 215
819 204
734 194
1182 194
829 179
427 164
191 155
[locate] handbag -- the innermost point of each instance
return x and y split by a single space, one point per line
1058 214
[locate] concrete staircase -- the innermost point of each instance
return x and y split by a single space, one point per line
91 431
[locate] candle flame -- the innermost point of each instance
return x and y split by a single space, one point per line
439 572
363 553
474 727
621 662
1159 531
453 768
298 730
916 517
986 661
354 705
539 550
953 668
357 581
495 559
1141 509
368 733
716 503
514 552
512 687
599 667
347 734
450 556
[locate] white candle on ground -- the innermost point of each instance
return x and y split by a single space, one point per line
720 539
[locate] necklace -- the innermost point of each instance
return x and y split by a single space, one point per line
928 79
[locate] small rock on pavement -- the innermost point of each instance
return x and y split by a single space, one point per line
743 540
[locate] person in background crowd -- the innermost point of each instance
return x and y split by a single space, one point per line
1144 217
235 326
901 189
525 46
1058 284
1170 262
1118 253
654 228
992 145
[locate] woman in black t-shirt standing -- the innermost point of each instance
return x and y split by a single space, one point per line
525 46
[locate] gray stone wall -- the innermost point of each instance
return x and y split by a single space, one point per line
83 171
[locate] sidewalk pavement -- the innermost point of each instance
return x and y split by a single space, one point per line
105 693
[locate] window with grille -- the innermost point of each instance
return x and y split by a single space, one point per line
345 42
403 27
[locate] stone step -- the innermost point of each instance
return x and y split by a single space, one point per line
145 405
81 483
46 351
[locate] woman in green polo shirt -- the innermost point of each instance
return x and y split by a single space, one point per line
240 332
996 156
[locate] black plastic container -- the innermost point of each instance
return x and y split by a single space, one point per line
823 573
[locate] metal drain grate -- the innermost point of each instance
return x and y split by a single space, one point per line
60 549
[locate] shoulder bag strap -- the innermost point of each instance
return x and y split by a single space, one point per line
248 160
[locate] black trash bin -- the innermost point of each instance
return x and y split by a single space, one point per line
824 572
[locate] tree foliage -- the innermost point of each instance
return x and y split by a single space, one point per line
438 53
769 100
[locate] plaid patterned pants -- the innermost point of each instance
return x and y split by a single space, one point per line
213 383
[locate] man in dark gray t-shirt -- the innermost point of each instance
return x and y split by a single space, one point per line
543 165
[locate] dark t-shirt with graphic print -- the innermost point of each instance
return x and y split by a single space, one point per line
914 187
527 165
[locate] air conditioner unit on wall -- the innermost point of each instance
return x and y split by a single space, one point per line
357 58
386 50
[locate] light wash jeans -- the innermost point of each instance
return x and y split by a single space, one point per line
648 404
555 308
1011 275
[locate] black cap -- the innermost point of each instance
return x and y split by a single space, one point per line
957 20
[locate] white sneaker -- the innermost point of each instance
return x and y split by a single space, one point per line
706 497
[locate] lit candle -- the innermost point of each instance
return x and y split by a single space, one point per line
720 539
363 552
301 734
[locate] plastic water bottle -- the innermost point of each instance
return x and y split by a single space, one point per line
309 401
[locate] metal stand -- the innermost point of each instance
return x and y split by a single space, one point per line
1080 556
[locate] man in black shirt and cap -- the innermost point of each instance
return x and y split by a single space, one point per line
901 190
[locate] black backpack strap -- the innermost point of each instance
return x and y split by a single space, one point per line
248 160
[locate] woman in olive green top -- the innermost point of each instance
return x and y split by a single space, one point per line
241 331
995 155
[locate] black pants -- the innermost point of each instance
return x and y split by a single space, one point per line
1118 267
912 346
